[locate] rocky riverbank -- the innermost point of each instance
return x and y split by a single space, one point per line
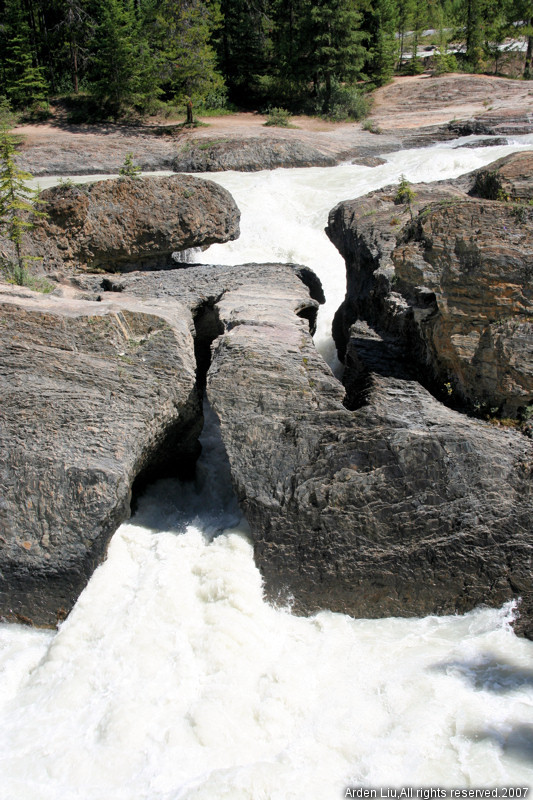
409 112
447 272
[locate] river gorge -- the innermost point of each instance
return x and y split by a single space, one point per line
173 678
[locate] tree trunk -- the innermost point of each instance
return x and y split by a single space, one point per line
528 66
190 119
327 94
74 65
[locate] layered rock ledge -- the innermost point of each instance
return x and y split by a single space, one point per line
93 396
102 387
249 155
449 275
400 507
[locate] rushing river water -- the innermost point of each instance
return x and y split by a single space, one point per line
172 678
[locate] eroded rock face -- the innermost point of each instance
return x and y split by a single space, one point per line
93 395
124 224
508 178
454 282
399 507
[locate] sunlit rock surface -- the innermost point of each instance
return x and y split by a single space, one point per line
398 507
451 277
129 223
93 395
101 386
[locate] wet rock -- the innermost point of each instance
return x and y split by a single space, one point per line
124 224
497 141
498 123
369 161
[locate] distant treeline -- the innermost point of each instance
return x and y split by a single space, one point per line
113 57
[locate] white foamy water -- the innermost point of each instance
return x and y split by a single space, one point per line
284 212
172 679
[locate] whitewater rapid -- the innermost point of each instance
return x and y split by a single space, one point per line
172 679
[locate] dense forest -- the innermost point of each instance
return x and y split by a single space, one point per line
110 58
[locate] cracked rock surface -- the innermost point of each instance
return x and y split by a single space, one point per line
398 507
101 387
450 277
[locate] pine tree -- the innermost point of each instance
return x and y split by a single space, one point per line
17 207
337 39
496 28
415 65
291 39
75 25
474 33
242 47
181 36
25 85
122 65
520 13
382 44
405 16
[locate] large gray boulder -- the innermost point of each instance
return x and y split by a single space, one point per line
130 223
400 506
101 389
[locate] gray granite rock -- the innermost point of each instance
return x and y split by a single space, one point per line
126 224
450 276
94 396
101 388
399 506
248 155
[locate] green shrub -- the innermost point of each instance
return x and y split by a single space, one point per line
279 117
371 127
488 186
8 117
445 62
129 169
346 103
18 209
404 194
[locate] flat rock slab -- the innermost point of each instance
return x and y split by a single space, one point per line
92 395
248 155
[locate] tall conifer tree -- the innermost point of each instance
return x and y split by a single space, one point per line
25 85
383 46
181 35
337 41
123 67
